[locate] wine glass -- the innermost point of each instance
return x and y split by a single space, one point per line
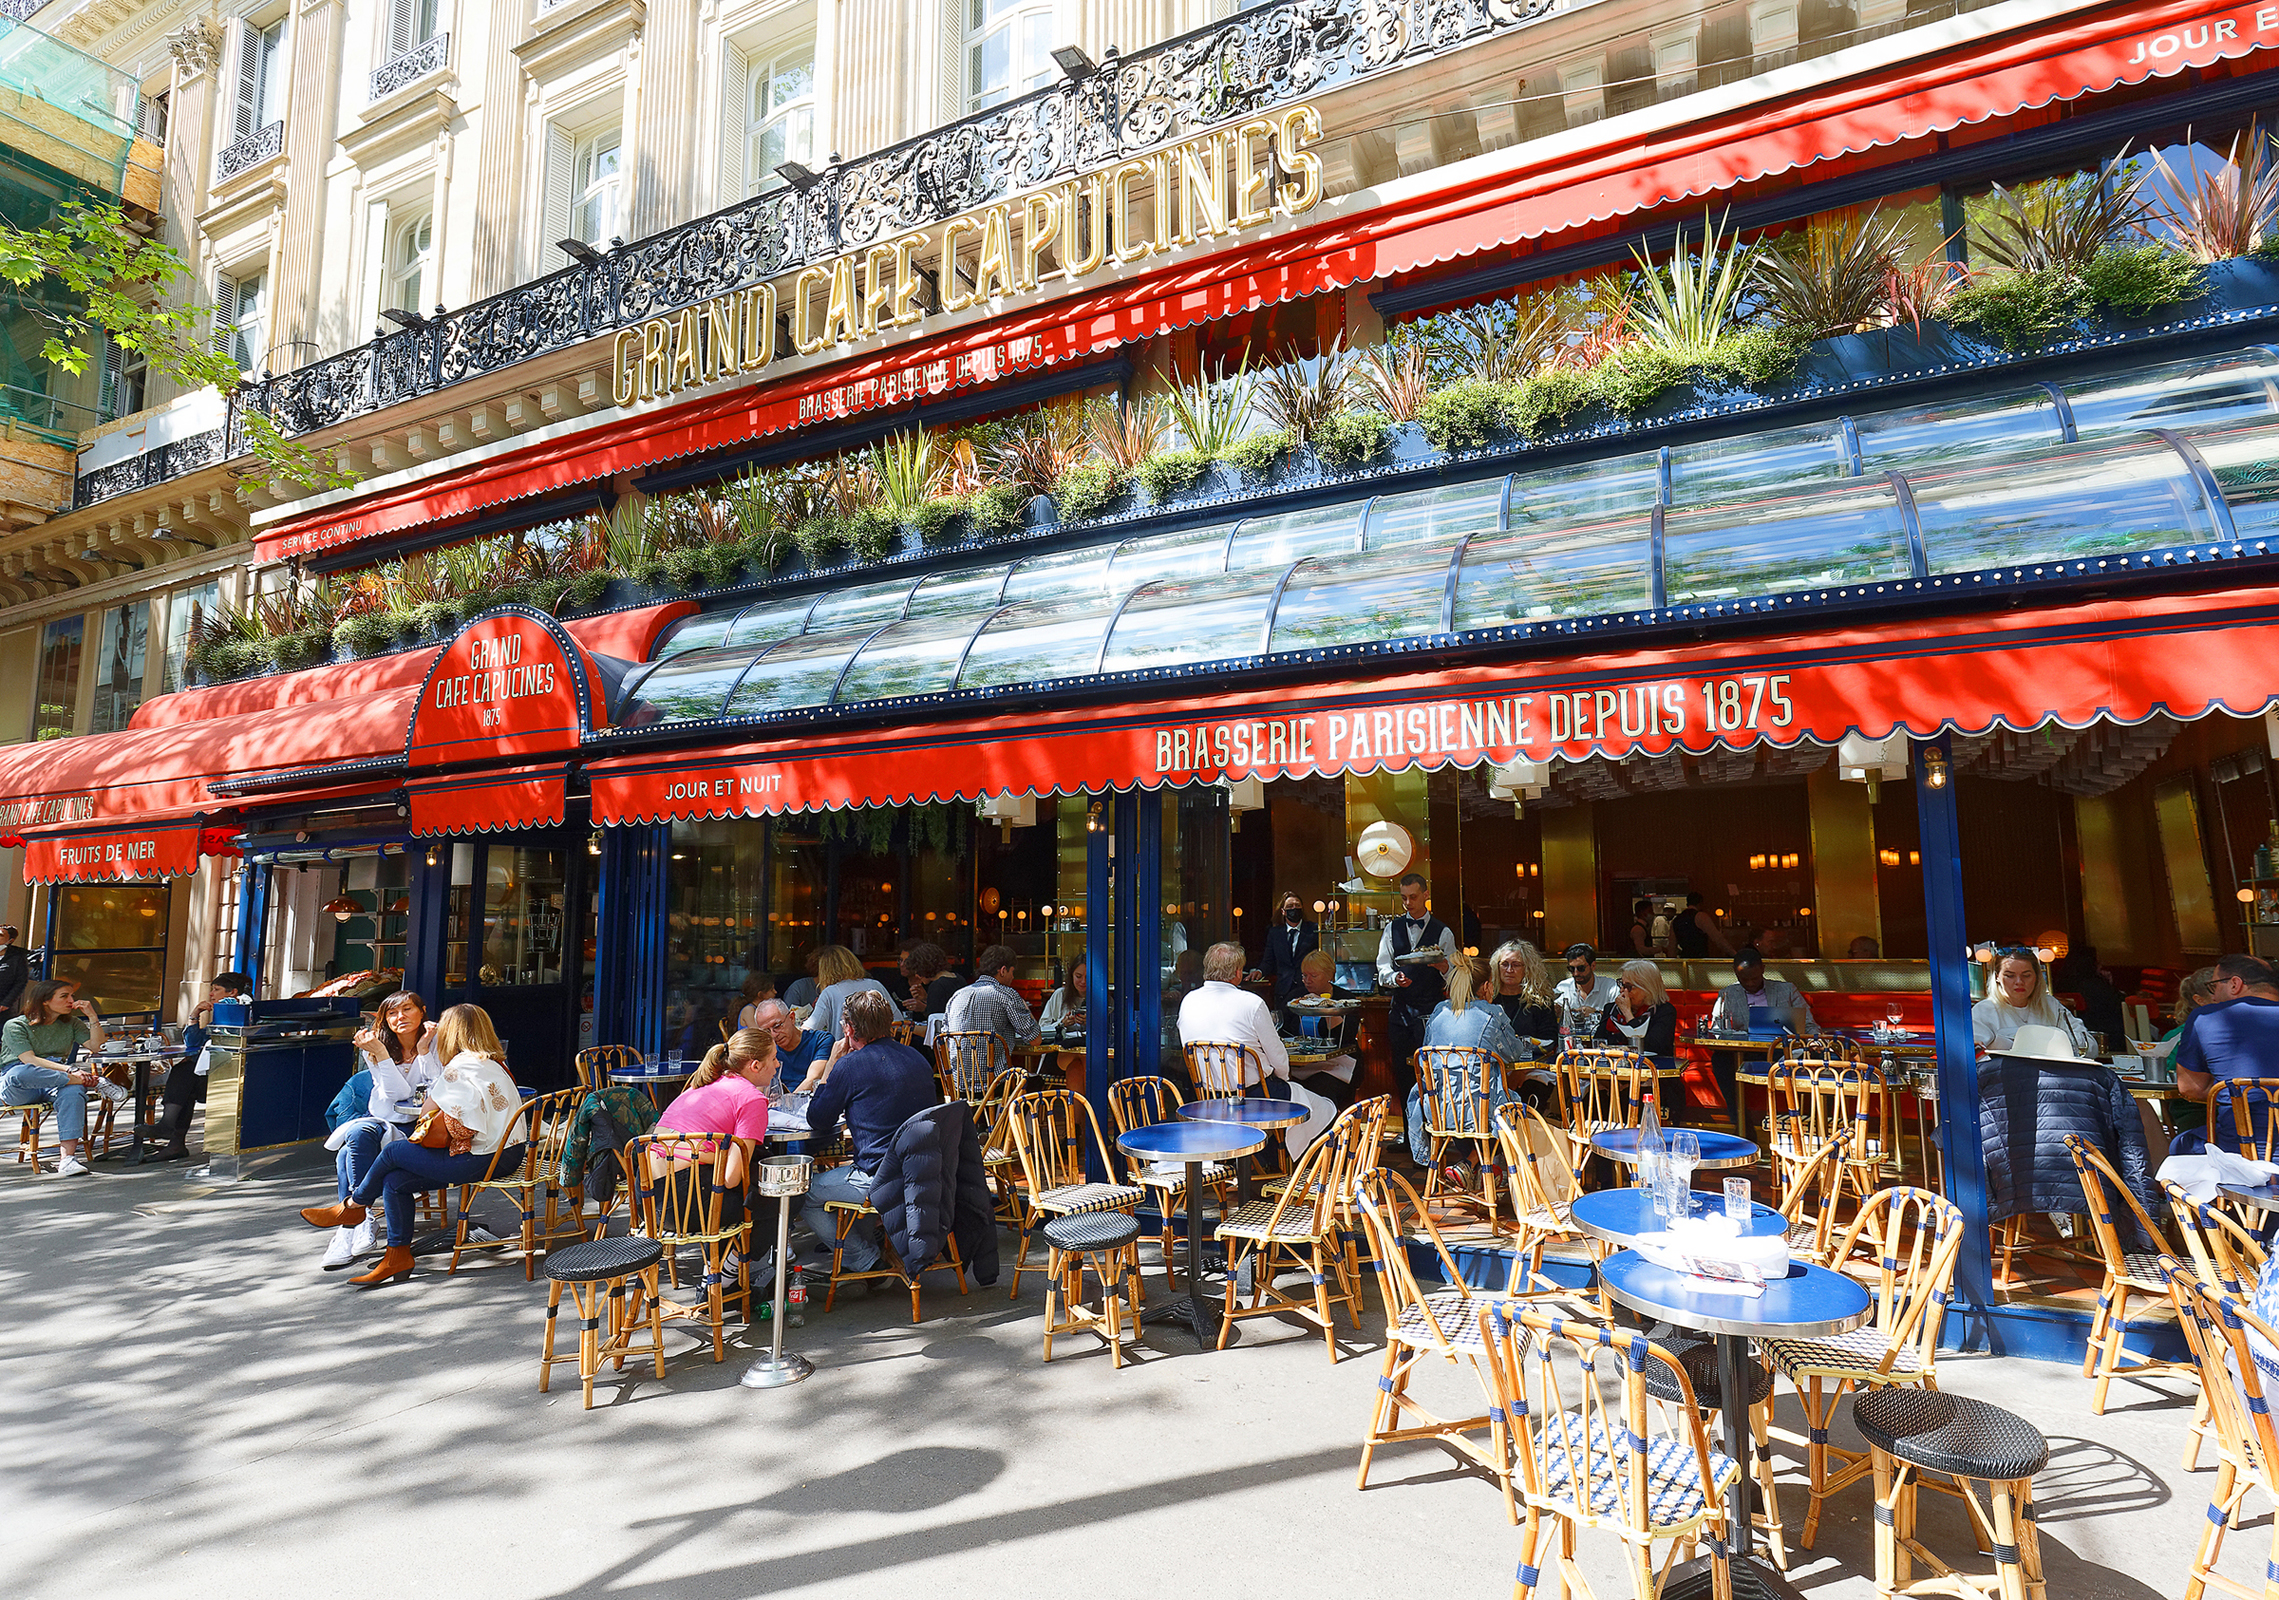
1681 1154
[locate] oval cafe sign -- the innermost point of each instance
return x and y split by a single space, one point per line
513 683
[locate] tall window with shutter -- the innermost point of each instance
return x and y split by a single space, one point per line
779 114
554 218
124 375
411 23
260 71
238 313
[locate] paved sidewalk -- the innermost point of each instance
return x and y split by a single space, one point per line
190 1409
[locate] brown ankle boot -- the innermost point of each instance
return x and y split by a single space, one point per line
345 1215
396 1263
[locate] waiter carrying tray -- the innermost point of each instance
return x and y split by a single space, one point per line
1416 986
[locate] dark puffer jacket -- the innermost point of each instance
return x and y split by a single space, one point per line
932 1186
2025 1110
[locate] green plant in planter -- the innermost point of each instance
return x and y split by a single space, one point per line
1636 375
1213 413
2059 224
293 651
546 593
1831 276
2136 278
1082 493
2223 209
1550 397
933 517
1353 438
997 510
649 572
1301 395
583 592
1258 455
872 533
234 657
1686 305
1467 416
1173 472
435 617
2023 311
1759 357
819 538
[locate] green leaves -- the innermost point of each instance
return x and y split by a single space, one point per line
1686 305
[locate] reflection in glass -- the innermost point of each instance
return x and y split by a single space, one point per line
1958 431
686 688
2246 464
1531 575
1849 532
1272 543
1033 643
1066 575
797 672
1432 515
1189 553
522 917
2088 500
975 592
919 656
1360 599
873 603
1596 491
1757 462
758 625
1169 624
2240 387
704 631
116 981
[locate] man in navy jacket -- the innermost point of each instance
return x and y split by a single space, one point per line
877 1085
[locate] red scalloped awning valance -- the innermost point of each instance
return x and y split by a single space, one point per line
490 802
149 852
2122 662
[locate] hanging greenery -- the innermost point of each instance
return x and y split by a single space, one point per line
870 829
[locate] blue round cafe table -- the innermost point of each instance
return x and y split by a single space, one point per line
1192 1143
2265 1200
660 1078
1254 1112
1718 1150
1624 1216
1809 1303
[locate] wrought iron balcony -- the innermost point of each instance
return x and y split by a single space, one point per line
20 10
429 56
244 154
1267 56
159 464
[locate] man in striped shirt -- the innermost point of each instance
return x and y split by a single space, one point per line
990 1004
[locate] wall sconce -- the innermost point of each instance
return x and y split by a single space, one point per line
1092 819
435 855
1804 911
1914 858
1238 912
593 843
2245 897
341 907
1519 781
1935 768
1889 858
1757 863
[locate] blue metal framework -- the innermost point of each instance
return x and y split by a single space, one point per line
634 894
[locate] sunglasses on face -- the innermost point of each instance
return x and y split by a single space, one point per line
1578 969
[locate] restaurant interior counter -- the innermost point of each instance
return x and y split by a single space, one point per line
276 1066
1811 977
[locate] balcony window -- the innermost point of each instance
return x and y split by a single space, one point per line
1008 49
593 189
119 668
413 48
240 307
258 100
410 252
186 613
779 123
126 376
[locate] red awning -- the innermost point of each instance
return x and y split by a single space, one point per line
1561 186
2179 655
145 853
520 797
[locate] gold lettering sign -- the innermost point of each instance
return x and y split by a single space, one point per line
1208 187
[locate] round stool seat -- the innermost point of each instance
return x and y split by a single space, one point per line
596 1259
1092 1230
1700 1363
1951 1433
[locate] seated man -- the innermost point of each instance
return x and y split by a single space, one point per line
990 1004
1331 1079
877 1085
2234 1033
803 1059
186 1079
1757 1001
1217 1012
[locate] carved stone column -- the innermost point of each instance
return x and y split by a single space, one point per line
310 125
663 137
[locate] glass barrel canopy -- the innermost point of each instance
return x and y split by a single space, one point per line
1063 575
1189 553
1432 516
2245 464
1849 531
2241 386
1334 600
1588 491
918 655
758 625
1541 574
1757 463
1930 435
873 603
1038 642
798 672
1184 620
687 687
978 590
1272 543
704 631
2085 500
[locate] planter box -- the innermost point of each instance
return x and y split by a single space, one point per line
2249 283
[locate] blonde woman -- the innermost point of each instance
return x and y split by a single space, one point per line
728 1099
474 1103
2021 994
840 973
1519 982
1641 1015
1468 1019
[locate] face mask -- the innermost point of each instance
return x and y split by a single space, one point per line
1293 915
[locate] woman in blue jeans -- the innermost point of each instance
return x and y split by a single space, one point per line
399 1055
475 1103
35 1062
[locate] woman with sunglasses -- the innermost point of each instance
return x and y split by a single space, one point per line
1641 1016
2019 996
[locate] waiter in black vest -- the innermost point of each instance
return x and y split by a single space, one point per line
1418 987
1288 942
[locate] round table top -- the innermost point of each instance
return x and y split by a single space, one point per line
1599 1069
1191 1141
1810 1303
1623 1216
653 1071
1250 1113
2253 1199
1718 1150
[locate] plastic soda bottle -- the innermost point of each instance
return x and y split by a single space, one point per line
795 1299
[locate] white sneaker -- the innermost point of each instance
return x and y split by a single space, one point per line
73 1167
478 1234
113 1092
366 1242
341 1251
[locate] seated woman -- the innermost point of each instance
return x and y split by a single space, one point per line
759 988
1064 1007
926 969
727 1099
185 1087
1463 1019
470 1106
35 1062
1641 1016
1331 1079
2020 995
840 972
399 1052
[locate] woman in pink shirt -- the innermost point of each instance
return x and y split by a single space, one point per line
724 1099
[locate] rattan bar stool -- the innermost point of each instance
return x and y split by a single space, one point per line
1915 1431
1107 1242
586 1268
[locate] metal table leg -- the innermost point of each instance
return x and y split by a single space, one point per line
1754 1578
775 1369
1200 1319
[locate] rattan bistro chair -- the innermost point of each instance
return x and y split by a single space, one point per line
596 1062
540 1125
2127 1272
1914 1237
1455 1083
2247 1105
2234 1350
676 1182
1142 1103
1302 1228
1224 1071
1049 1126
966 1064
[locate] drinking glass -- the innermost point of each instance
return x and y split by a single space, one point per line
1681 1154
1737 1200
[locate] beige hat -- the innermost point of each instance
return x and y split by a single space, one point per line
2039 1042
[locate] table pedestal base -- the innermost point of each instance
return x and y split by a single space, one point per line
1200 1317
1753 1579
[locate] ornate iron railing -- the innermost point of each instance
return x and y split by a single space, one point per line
401 72
20 10
1267 56
244 154
159 464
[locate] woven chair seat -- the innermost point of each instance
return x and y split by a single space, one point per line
1077 1197
596 1259
1700 1363
1175 1183
1457 1316
1951 1433
1848 1355
1253 1221
2142 1269
1092 1230
1674 1492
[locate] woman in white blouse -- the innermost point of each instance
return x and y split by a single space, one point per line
398 1051
474 1105
2021 994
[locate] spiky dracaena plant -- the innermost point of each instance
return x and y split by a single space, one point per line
2060 224
1684 306
1126 432
1833 275
2223 210
1301 396
1212 411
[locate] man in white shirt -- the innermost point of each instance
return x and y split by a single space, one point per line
1418 988
1583 995
1217 1012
